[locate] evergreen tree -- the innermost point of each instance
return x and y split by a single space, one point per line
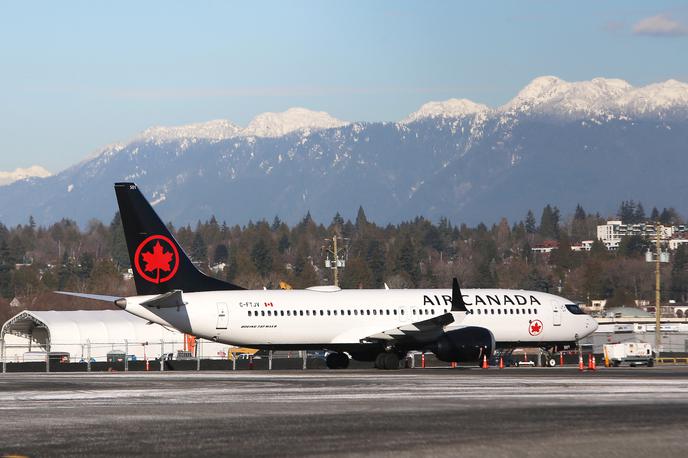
375 258
221 254
117 243
549 222
579 214
654 216
283 243
530 223
361 220
199 249
261 257
407 261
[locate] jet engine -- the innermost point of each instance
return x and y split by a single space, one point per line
467 344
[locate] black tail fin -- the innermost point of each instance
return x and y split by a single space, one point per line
158 262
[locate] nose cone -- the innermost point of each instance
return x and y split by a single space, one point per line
590 325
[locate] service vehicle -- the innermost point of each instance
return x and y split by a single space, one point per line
632 353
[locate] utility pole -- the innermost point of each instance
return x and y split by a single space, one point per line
658 258
658 296
338 262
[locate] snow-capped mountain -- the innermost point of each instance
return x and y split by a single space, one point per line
263 125
452 108
593 143
294 119
219 129
22 174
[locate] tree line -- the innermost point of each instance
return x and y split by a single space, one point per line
35 260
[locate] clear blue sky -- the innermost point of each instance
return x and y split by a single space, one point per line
75 76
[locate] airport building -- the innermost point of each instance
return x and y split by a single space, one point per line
611 233
92 334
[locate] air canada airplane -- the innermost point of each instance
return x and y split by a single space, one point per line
379 325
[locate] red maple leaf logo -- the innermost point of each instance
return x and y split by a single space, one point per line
158 260
535 328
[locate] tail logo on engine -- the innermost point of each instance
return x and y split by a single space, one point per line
161 259
535 327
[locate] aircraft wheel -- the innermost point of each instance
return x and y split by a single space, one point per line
380 361
391 361
343 361
334 361
551 362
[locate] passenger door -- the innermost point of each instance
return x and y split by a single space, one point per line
222 316
556 318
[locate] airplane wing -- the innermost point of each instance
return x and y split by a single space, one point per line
424 330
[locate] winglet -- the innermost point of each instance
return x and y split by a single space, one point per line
458 305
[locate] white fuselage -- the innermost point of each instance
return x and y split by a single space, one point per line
325 316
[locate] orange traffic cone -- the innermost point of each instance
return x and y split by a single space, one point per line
501 363
561 359
594 363
590 362
147 365
485 365
580 363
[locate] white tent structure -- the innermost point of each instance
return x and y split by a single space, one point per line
91 334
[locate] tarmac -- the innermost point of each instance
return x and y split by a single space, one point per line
520 412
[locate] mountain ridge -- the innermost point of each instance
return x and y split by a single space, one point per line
458 160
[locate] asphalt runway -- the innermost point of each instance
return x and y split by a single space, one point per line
521 412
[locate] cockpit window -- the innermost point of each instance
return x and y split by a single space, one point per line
573 308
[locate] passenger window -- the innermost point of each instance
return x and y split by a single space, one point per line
322 313
249 313
374 312
516 311
402 311
348 312
478 311
262 313
499 311
445 310
355 312
414 311
301 312
394 311
308 313
367 312
328 313
523 311
528 311
492 311
342 312
535 312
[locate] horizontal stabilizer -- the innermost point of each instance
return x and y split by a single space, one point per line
167 300
95 297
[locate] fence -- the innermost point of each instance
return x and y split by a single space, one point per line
149 356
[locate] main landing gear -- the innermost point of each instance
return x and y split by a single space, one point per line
387 360
337 361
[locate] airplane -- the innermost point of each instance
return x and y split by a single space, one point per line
380 325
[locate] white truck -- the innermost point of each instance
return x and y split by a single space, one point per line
632 353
